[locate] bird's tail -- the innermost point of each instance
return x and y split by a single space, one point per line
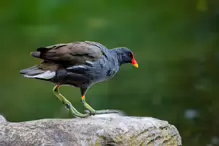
37 73
35 54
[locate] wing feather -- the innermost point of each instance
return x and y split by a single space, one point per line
70 53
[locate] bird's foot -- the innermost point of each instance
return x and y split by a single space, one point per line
68 104
107 111
89 110
74 112
100 112
91 113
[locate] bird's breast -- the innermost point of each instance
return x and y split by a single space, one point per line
104 72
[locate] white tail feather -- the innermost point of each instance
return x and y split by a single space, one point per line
44 75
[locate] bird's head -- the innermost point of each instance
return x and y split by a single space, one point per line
125 55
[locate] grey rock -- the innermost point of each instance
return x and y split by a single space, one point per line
96 130
2 119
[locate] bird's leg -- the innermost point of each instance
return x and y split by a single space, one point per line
91 110
68 104
86 105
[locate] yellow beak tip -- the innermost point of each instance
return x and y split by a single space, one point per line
135 65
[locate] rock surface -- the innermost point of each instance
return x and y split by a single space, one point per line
96 130
2 119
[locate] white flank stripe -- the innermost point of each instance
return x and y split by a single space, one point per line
89 62
78 66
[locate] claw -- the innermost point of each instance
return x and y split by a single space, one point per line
89 112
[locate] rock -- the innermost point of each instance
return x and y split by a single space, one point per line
2 119
95 130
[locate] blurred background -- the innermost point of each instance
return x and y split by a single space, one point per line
175 43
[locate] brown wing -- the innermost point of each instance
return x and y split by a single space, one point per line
70 53
45 65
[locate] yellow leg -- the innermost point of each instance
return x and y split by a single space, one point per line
91 110
68 104
87 106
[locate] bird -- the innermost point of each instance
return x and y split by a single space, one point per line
78 64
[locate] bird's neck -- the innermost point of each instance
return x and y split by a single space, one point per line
117 54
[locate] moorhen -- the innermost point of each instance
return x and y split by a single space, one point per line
78 64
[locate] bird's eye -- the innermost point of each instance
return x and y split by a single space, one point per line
130 55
